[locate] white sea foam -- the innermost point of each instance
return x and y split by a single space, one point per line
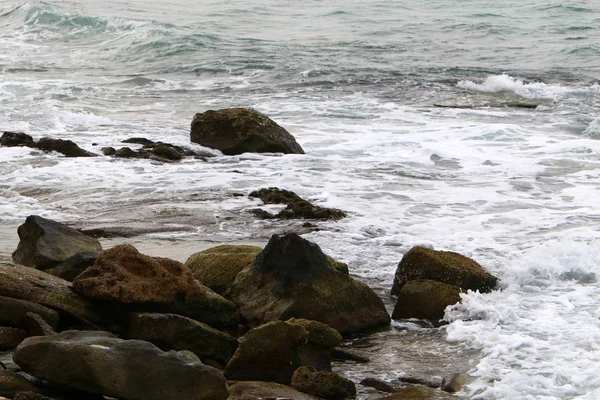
506 83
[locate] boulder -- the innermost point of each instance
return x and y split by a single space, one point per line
12 383
419 393
37 326
217 267
99 362
31 396
326 385
66 147
292 277
45 243
442 266
425 299
297 207
249 390
11 337
174 332
322 339
19 282
268 353
13 312
75 265
14 139
242 130
124 275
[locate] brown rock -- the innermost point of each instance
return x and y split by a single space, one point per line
66 147
442 266
13 312
11 337
241 130
251 390
12 383
425 299
420 393
327 385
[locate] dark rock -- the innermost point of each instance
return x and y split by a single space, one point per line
292 277
217 267
425 299
297 207
31 396
12 383
11 337
442 266
380 385
174 332
454 383
37 326
419 393
45 243
109 151
167 152
241 130
35 286
250 390
348 355
126 152
13 312
66 147
137 140
319 346
75 265
14 139
123 275
326 385
415 380
268 353
98 362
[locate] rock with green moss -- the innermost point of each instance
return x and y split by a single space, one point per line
326 385
318 349
242 130
175 332
292 277
425 299
217 267
442 266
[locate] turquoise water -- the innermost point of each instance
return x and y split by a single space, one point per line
358 83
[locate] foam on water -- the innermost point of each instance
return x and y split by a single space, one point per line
506 83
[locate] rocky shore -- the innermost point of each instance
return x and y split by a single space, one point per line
79 320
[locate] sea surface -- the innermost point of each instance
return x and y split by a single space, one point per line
416 118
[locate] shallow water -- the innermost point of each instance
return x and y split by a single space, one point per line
357 84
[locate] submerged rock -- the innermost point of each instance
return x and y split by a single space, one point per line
124 275
99 362
326 385
297 207
292 277
241 130
66 147
16 139
45 243
442 266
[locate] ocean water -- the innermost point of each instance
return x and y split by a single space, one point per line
359 84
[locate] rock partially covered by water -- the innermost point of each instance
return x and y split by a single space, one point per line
421 263
326 385
419 393
98 362
292 277
297 207
124 275
175 332
425 299
218 267
16 139
66 147
242 130
45 243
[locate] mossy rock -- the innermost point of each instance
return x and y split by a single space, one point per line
442 266
241 130
425 299
217 267
319 333
326 385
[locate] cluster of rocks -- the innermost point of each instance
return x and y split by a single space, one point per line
233 322
296 206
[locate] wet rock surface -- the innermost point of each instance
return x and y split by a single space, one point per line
425 299
297 207
326 385
241 130
253 390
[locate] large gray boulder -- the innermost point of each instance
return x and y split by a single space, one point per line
124 275
99 362
292 277
45 243
241 130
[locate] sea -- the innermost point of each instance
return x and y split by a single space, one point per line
471 127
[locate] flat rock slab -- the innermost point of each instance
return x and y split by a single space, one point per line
99 362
